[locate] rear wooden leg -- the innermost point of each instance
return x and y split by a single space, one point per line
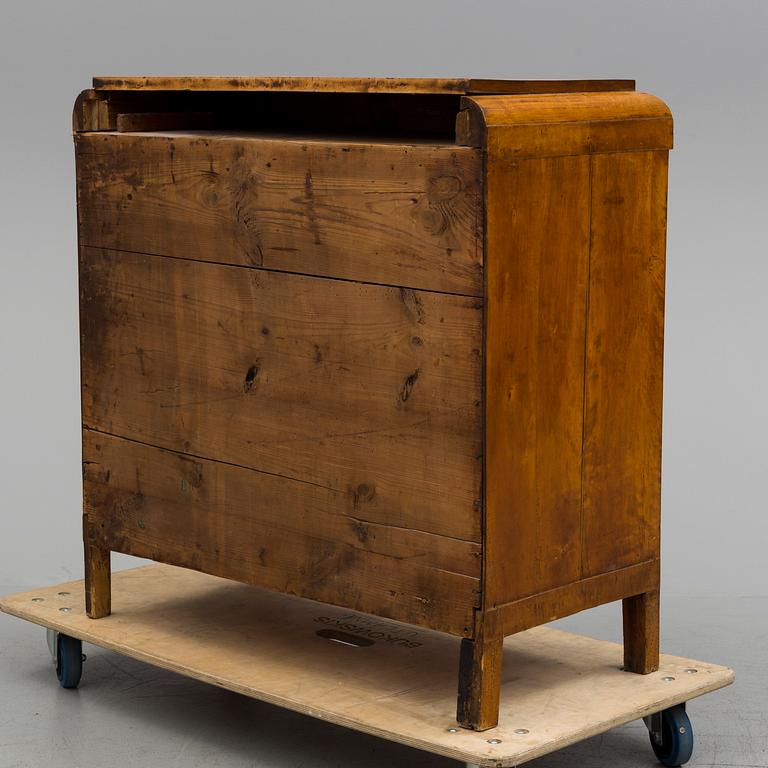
480 680
98 576
641 633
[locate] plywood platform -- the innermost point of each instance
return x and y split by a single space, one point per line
392 681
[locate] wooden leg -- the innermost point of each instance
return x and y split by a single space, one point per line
98 577
480 679
641 633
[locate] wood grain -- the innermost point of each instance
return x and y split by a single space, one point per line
562 688
641 632
480 670
514 127
89 113
358 84
389 213
162 121
578 596
369 391
293 537
98 572
625 338
537 260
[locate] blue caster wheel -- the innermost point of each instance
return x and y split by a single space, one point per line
69 660
672 736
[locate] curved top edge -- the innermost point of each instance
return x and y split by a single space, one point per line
456 86
565 123
503 110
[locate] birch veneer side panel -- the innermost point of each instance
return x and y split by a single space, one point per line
574 319
558 519
625 341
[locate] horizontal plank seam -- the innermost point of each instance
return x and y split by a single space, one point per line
375 524
114 542
576 584
271 474
283 271
582 531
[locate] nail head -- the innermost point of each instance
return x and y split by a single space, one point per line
494 741
521 731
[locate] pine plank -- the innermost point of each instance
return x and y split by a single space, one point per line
373 392
273 532
389 213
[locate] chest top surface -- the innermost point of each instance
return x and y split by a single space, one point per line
417 85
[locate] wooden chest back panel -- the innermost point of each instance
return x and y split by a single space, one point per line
386 213
248 416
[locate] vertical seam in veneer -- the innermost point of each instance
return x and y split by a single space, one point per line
483 388
585 366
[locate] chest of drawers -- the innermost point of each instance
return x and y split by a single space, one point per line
394 345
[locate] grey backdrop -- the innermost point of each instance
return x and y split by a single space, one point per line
706 59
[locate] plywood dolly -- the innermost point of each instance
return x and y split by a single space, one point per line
372 675
670 730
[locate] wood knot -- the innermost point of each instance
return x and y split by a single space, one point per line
364 492
444 188
250 377
361 531
193 477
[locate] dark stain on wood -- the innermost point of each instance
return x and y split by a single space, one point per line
414 305
408 385
250 377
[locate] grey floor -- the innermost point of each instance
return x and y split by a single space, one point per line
128 714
